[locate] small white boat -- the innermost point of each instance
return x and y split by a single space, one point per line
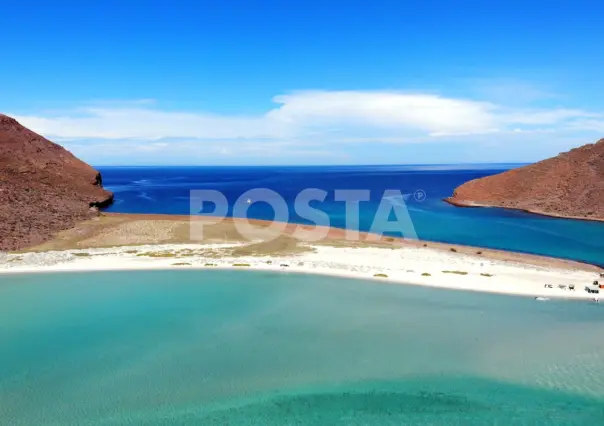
249 201
542 299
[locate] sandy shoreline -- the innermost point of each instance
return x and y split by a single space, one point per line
148 242
473 204
405 265
337 235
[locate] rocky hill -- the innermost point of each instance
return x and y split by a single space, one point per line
568 185
43 187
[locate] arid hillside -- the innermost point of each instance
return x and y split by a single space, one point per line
43 187
568 185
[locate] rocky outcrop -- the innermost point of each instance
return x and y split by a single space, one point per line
569 185
43 187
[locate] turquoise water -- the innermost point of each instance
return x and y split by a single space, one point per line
256 348
167 190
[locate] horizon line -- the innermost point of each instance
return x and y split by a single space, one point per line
314 165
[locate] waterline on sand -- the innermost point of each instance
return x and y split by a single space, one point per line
408 265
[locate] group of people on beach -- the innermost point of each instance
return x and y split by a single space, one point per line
597 288
594 289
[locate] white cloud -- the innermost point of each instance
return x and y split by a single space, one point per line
193 151
297 115
304 124
146 123
595 124
419 112
545 117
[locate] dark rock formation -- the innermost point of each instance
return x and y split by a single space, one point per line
569 185
43 187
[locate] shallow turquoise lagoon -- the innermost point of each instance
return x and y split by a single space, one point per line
254 348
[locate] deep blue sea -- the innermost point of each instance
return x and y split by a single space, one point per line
167 190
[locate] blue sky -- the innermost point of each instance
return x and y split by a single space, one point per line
306 82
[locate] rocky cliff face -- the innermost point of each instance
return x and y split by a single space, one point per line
43 187
569 185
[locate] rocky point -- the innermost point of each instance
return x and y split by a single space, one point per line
43 187
568 185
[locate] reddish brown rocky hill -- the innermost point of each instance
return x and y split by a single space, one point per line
43 187
569 185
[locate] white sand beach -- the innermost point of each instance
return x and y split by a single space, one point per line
402 265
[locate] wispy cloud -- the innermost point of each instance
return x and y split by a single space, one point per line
304 124
509 91
300 114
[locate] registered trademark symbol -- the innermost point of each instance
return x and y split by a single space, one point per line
419 195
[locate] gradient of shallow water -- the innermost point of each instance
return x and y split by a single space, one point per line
259 348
